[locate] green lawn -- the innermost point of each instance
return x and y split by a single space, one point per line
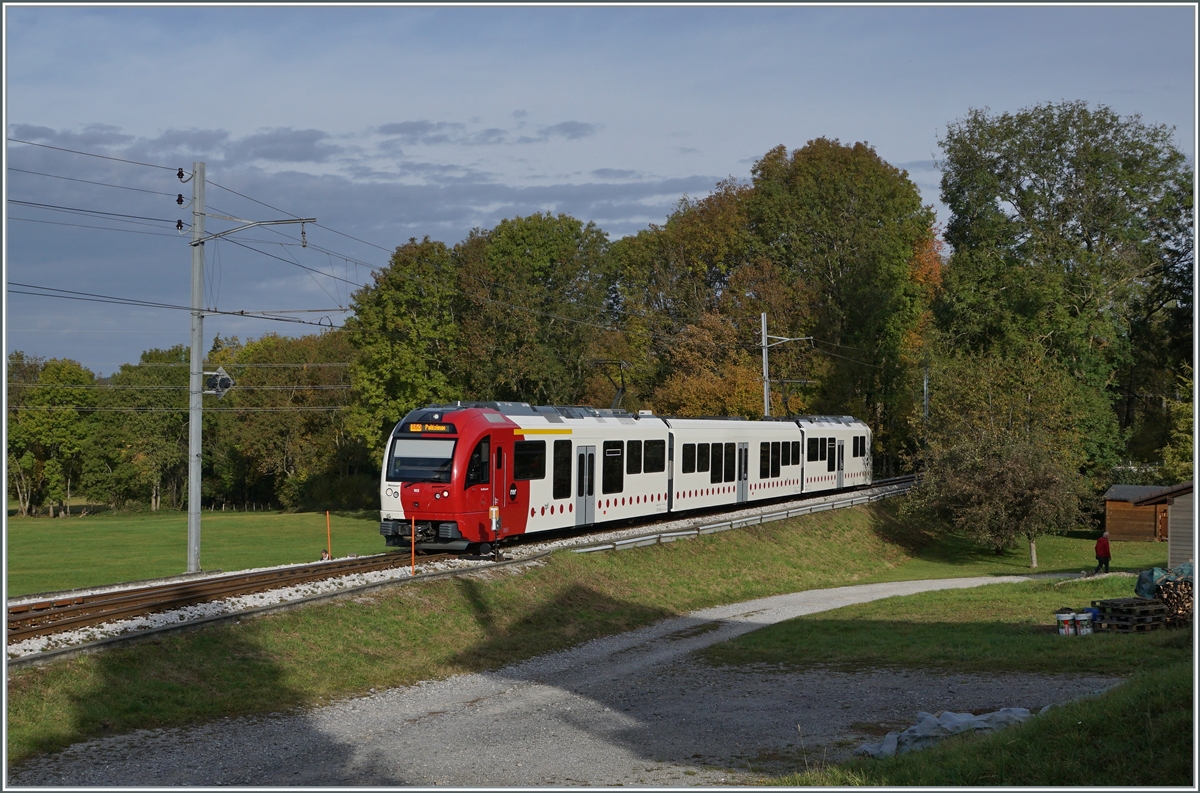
1057 553
46 555
1004 627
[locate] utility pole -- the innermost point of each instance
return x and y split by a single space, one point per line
222 382
196 364
765 345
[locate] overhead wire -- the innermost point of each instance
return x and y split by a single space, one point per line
90 154
98 228
92 297
88 181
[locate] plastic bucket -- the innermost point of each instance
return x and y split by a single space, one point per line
1066 624
1083 623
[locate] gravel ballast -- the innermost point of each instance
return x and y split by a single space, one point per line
632 709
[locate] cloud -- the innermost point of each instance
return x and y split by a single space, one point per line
92 135
410 133
571 130
613 173
284 144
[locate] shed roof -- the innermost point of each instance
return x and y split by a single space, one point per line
1164 494
1130 492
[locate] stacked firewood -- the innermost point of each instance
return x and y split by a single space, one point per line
1177 595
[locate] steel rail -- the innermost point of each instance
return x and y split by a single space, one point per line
39 618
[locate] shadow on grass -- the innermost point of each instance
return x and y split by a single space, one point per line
578 613
200 680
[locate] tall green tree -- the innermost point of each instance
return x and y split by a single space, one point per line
405 334
850 231
148 402
1072 230
533 296
58 414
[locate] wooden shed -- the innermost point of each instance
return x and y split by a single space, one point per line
1126 522
1181 545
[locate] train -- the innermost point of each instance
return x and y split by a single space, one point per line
466 476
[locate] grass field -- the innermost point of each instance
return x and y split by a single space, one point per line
439 628
1004 627
46 555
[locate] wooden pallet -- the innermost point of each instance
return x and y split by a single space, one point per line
1129 607
1129 615
1128 627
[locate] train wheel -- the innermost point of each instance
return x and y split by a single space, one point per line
485 548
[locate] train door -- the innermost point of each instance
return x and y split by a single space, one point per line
840 462
585 492
478 481
504 492
743 472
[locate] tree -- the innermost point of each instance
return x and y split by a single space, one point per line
1000 451
713 375
26 466
533 296
282 430
851 229
1177 457
1071 229
57 414
405 333
150 401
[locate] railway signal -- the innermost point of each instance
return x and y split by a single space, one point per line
218 382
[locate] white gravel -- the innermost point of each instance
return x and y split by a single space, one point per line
39 644
634 709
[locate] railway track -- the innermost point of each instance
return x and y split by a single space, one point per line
70 612
42 617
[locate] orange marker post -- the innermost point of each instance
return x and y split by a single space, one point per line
412 543
328 536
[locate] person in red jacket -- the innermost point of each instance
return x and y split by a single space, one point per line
1103 554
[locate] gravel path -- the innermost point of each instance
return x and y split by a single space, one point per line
633 709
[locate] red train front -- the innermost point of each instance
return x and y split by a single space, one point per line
444 471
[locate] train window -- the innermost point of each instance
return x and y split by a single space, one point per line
689 458
702 457
562 469
420 460
613 472
795 452
633 457
813 454
715 477
764 460
821 443
656 457
775 460
499 458
785 453
858 446
477 466
832 455
730 462
582 474
529 460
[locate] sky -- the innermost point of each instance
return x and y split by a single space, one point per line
391 122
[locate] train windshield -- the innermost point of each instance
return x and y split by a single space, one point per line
420 460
